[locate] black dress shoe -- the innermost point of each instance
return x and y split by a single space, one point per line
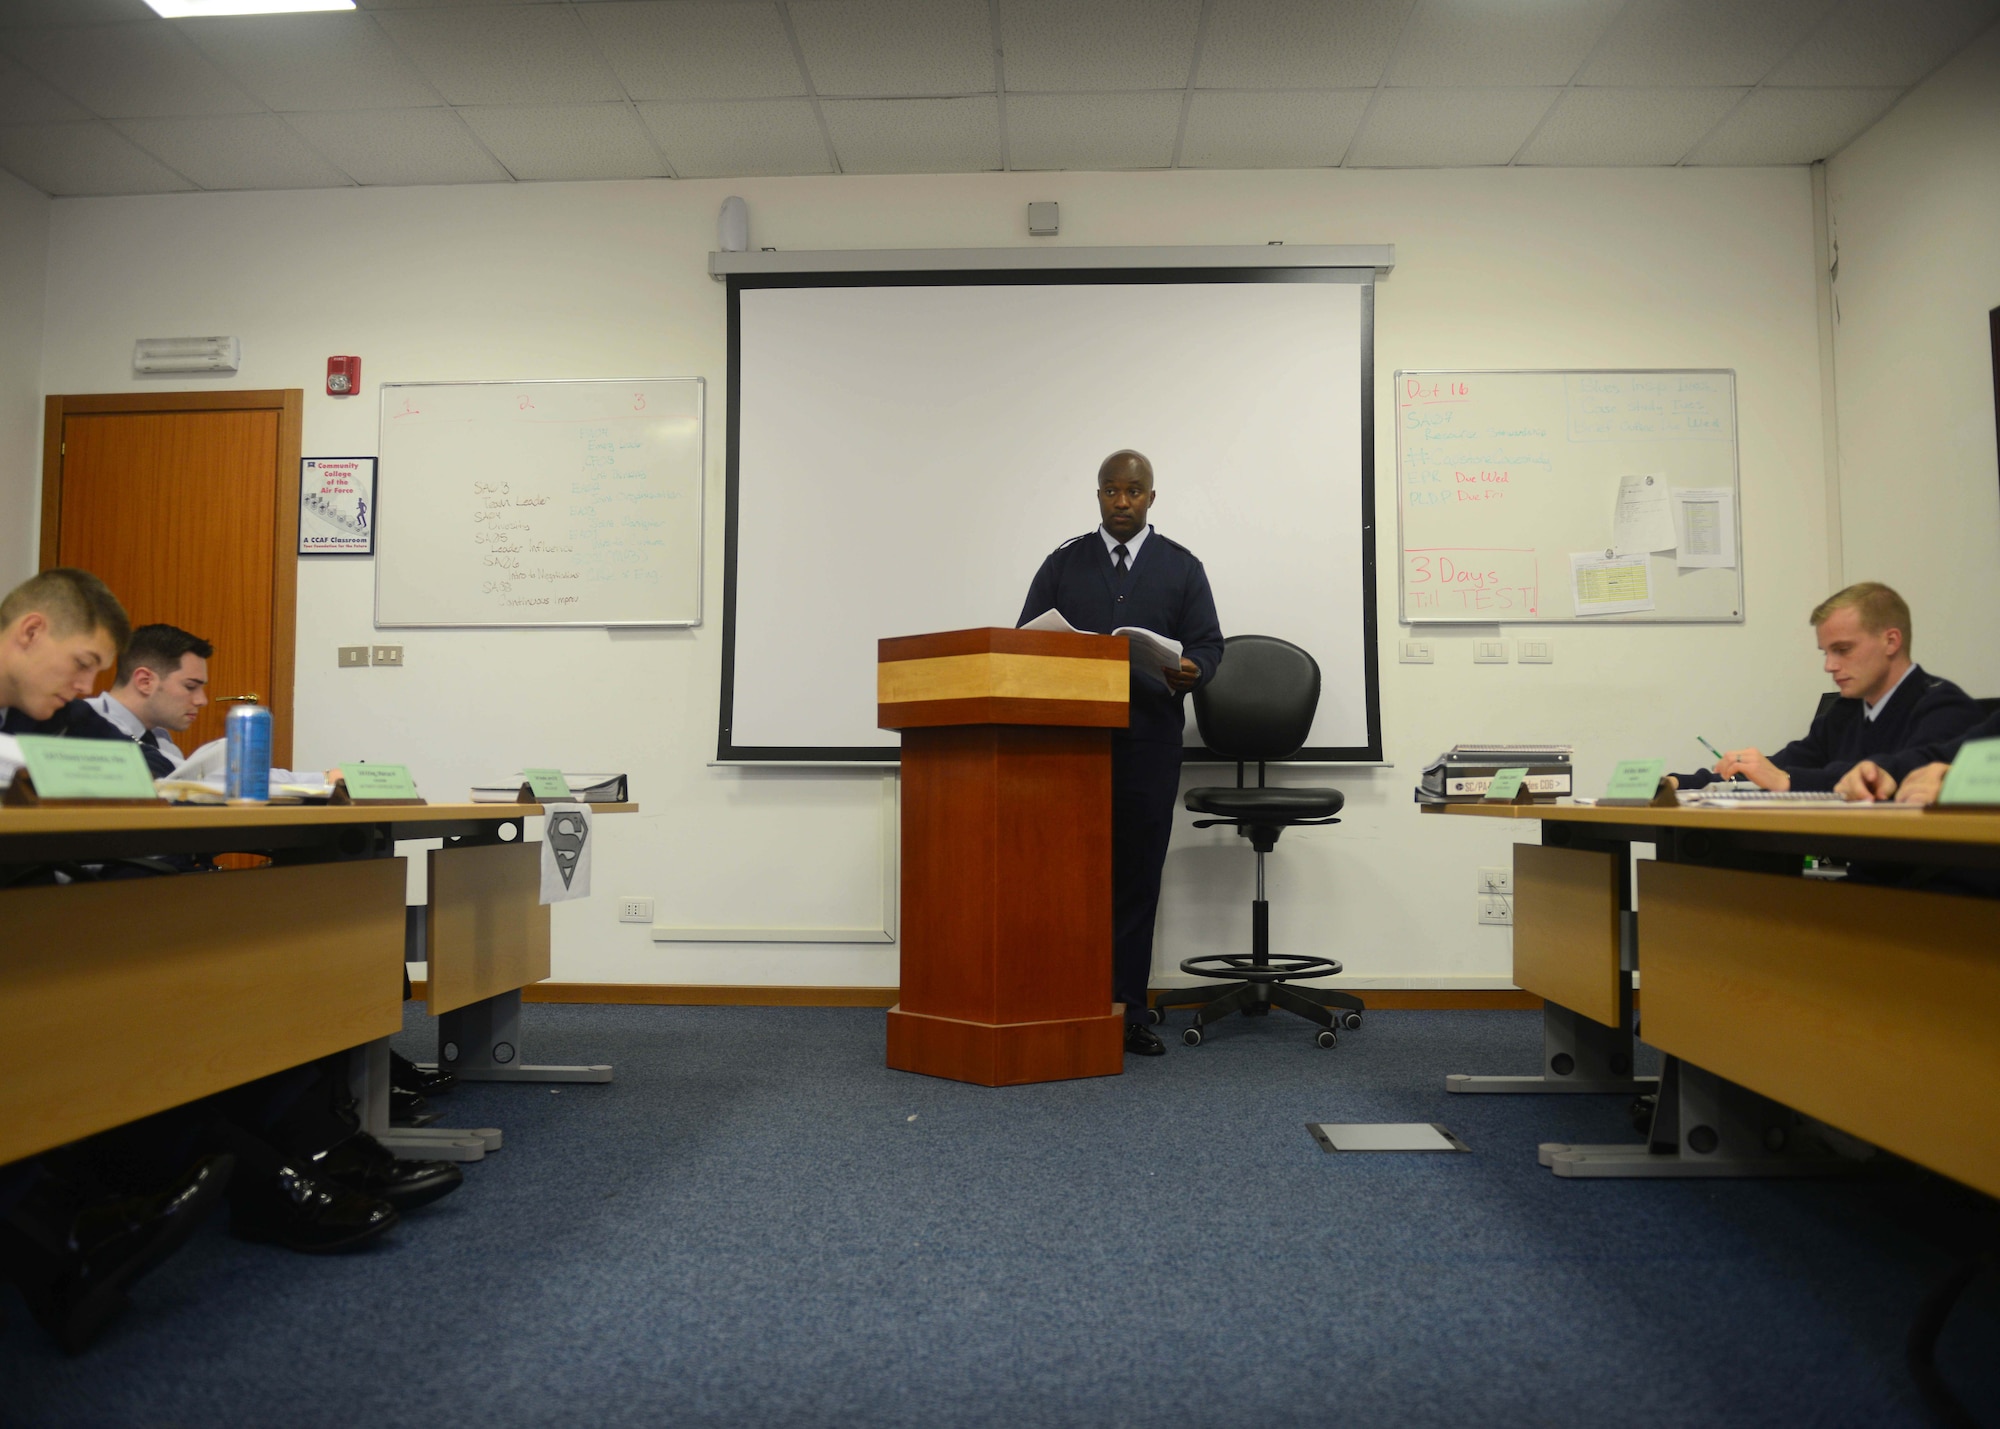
406 1108
1143 1041
407 1076
302 1212
363 1164
76 1291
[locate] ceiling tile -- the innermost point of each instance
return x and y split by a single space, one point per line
1105 44
1668 42
334 61
670 49
1479 42
896 47
74 12
1617 127
527 54
567 141
1092 131
1299 44
26 100
1793 126
129 71
915 136
70 160
235 151
1448 128
1294 130
400 146
741 140
1865 42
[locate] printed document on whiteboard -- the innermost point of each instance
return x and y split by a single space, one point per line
1706 519
1603 583
1642 521
1150 652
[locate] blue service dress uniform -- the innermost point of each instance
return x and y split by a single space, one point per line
1164 591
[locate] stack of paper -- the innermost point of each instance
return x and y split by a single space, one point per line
1150 651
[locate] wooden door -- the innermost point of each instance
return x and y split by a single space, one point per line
186 505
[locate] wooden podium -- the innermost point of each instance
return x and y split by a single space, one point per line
1006 868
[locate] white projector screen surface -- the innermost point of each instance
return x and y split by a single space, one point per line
906 449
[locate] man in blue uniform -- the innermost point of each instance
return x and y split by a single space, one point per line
1126 573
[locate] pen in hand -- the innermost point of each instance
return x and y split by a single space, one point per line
1719 755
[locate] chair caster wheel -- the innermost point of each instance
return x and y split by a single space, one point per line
1192 1036
1325 1038
1351 1020
1155 1016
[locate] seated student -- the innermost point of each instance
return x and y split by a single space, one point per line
162 685
1887 703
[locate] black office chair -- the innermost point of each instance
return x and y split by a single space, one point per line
1260 707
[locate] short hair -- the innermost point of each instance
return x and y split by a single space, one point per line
159 648
1880 608
74 603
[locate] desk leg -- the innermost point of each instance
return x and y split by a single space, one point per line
1579 1054
481 1042
368 1082
1706 1126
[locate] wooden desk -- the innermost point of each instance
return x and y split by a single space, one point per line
124 998
1869 1008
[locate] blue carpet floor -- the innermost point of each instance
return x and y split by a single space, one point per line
756 1224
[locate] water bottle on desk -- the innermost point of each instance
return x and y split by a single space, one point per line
247 729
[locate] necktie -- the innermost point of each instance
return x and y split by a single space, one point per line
1118 563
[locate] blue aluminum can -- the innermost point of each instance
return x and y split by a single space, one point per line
248 730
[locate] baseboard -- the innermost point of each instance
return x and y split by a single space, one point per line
758 995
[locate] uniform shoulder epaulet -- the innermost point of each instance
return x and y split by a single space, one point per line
1073 540
1175 544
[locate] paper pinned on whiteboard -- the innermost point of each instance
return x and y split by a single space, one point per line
1642 521
1705 518
1605 583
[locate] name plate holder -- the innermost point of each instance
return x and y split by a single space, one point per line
81 773
545 786
1509 786
1972 784
1639 784
373 784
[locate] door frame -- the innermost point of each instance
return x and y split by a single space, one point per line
289 404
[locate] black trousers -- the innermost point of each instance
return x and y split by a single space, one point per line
1145 782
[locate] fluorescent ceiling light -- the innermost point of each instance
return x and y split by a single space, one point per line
189 9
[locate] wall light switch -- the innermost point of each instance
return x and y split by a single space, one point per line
1489 652
1495 908
353 657
635 910
1496 880
1416 652
1537 652
388 655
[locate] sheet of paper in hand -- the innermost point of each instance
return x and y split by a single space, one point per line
565 852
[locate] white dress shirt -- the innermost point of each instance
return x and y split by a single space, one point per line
1132 546
133 728
1870 711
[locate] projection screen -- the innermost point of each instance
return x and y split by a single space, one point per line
906 448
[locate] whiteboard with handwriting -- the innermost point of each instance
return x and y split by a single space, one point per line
540 503
1503 477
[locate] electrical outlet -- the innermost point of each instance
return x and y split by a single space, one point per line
388 655
353 657
1537 652
1496 880
635 910
1416 652
1496 908
1489 652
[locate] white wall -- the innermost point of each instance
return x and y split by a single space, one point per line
1500 268
24 256
1916 210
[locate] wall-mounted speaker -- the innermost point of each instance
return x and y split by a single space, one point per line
732 226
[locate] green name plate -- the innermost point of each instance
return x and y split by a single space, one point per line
378 781
1974 777
1635 779
546 784
1506 784
86 768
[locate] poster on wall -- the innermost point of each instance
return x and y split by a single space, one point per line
337 506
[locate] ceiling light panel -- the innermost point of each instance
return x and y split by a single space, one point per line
192 9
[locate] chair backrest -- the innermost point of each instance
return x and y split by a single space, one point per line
1989 706
1261 703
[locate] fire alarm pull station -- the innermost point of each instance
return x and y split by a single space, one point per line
343 376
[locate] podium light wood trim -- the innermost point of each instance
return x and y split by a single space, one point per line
1001 640
1872 1009
994 675
127 998
1566 928
486 930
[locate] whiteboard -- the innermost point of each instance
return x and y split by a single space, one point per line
1503 477
906 449
540 503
